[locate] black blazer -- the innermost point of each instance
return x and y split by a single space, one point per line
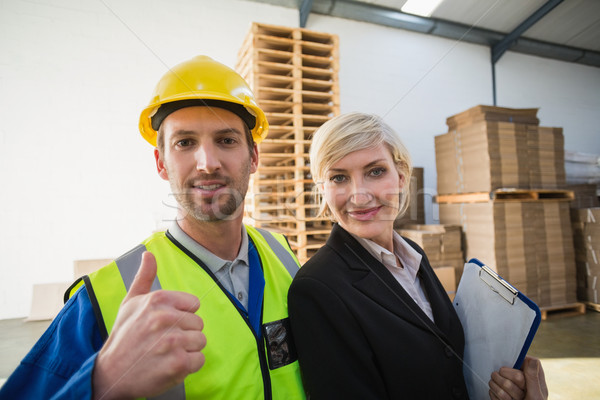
359 335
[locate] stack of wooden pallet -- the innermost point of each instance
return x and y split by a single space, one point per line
586 228
294 75
500 178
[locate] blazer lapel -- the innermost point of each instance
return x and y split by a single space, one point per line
439 305
378 283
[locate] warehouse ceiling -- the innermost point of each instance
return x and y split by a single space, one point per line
567 30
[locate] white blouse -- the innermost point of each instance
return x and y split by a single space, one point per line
406 275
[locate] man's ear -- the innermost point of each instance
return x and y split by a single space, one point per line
254 159
160 165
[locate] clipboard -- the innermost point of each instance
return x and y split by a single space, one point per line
499 323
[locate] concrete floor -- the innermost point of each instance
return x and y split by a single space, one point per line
569 348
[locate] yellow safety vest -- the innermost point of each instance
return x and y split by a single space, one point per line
237 365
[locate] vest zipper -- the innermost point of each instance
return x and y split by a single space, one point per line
264 367
262 358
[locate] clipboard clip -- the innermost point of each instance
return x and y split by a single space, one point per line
497 284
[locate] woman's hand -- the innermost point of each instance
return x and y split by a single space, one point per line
528 383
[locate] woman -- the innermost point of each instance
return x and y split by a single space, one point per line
369 316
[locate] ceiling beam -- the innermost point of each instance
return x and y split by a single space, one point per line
372 13
500 48
305 8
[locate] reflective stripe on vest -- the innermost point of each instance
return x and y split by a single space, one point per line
175 393
128 265
286 259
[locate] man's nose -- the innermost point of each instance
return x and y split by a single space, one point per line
206 159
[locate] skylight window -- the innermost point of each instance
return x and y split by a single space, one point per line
423 8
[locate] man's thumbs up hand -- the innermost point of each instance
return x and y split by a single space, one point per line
155 343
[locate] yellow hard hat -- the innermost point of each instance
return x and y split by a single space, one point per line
202 81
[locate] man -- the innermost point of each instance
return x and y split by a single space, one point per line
198 311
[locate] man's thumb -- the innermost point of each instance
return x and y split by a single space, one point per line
145 276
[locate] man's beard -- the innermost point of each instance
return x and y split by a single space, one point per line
226 205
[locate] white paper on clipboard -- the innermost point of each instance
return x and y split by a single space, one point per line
499 324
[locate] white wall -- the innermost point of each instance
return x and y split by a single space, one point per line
567 94
79 182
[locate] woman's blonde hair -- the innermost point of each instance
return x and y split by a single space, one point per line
351 132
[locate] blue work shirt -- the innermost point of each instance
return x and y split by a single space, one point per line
60 364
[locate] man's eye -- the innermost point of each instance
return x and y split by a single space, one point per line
184 143
228 141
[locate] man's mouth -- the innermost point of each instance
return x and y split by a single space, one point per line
211 187
207 188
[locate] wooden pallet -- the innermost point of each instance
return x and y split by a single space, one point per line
593 306
521 195
565 310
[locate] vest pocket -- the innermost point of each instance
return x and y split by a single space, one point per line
281 350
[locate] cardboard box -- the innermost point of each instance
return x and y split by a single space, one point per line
493 113
446 275
442 245
546 154
586 235
487 148
47 300
86 267
586 195
482 157
415 214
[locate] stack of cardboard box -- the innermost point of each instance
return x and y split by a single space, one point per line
484 149
583 178
481 157
500 178
586 195
586 228
443 246
546 154
488 148
415 214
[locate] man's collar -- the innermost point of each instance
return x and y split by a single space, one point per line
213 262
